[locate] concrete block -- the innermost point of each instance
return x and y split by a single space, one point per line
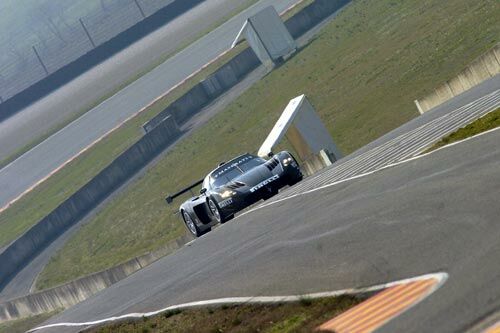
456 86
244 63
316 163
443 92
490 63
481 69
212 87
464 80
496 52
226 77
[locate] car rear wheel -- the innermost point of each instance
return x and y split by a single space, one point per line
192 227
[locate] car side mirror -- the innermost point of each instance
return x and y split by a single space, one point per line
270 154
203 191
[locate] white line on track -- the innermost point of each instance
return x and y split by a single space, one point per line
441 278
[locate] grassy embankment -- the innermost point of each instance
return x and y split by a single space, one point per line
303 316
362 73
483 124
23 325
18 152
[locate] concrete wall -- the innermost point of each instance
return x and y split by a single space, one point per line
481 69
208 90
18 253
311 15
79 290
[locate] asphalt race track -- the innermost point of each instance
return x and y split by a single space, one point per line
35 165
436 213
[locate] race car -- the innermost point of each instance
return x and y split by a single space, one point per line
235 185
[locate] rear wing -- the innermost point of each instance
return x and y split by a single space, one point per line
171 198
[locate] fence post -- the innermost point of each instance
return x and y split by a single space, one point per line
140 9
87 33
40 60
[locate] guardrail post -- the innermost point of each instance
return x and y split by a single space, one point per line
40 60
140 9
87 33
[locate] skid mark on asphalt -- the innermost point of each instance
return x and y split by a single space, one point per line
379 309
438 279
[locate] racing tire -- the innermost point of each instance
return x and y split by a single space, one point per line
216 213
192 227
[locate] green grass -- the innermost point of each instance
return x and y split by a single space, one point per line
282 318
483 124
362 73
20 151
22 325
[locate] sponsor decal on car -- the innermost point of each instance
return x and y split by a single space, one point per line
264 183
225 203
231 166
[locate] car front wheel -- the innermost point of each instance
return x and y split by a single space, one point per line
216 213
192 227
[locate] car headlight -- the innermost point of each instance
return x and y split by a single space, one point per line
227 194
289 161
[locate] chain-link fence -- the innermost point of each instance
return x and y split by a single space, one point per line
59 43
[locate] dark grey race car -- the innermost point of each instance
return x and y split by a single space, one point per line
235 185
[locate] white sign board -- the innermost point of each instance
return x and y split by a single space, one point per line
304 129
267 35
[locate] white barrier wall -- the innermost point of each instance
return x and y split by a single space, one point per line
481 69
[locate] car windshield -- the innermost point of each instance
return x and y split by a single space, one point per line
233 169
